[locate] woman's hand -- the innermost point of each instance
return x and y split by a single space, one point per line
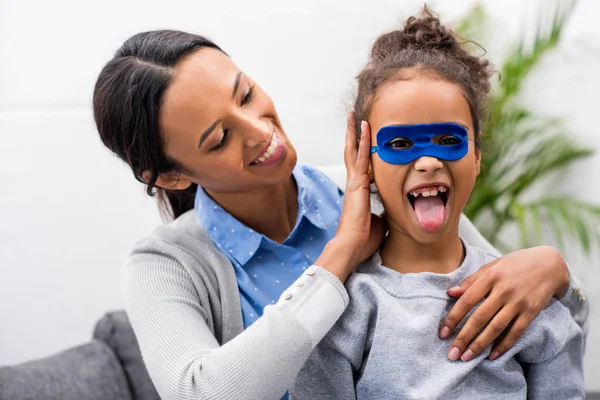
359 232
515 288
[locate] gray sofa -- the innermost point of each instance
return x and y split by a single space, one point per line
110 367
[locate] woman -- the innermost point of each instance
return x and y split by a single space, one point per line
252 229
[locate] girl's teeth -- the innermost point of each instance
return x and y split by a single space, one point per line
440 189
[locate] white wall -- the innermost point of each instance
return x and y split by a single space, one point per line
69 211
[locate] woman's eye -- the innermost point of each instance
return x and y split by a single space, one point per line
223 142
400 144
449 141
248 96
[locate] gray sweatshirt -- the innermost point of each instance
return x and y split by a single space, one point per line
385 346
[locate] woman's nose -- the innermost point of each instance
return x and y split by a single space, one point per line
256 131
428 165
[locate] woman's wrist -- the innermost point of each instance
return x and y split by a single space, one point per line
561 276
338 258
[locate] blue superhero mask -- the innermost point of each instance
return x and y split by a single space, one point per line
402 144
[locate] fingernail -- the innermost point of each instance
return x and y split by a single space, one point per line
495 354
444 332
467 355
455 288
454 353
362 124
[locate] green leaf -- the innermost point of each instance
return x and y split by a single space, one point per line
569 218
518 213
473 24
525 56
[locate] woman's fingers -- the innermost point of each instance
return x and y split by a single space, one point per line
519 284
350 148
493 329
364 149
479 319
458 291
514 333
478 290
358 229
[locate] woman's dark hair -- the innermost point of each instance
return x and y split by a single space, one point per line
127 100
424 46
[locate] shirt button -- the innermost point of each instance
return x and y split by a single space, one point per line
299 283
310 272
287 296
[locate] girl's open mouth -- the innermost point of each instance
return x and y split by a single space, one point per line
429 205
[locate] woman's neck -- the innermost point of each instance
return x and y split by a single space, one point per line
404 254
271 211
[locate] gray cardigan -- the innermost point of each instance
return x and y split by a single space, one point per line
182 298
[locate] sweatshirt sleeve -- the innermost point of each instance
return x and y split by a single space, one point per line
553 363
171 317
577 303
332 367
327 375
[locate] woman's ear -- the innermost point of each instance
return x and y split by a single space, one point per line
171 180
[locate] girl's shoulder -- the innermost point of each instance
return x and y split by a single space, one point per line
549 333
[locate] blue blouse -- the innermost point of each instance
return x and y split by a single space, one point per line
264 268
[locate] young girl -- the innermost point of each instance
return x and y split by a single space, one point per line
423 95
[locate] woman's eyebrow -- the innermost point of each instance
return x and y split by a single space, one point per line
238 78
206 134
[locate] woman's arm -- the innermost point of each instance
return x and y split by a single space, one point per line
172 315
516 288
173 324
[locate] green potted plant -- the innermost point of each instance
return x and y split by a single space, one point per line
521 148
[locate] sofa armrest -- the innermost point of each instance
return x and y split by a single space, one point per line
115 330
87 372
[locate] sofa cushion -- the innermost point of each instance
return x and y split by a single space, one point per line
87 372
115 330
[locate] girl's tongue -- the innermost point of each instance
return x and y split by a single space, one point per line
430 211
